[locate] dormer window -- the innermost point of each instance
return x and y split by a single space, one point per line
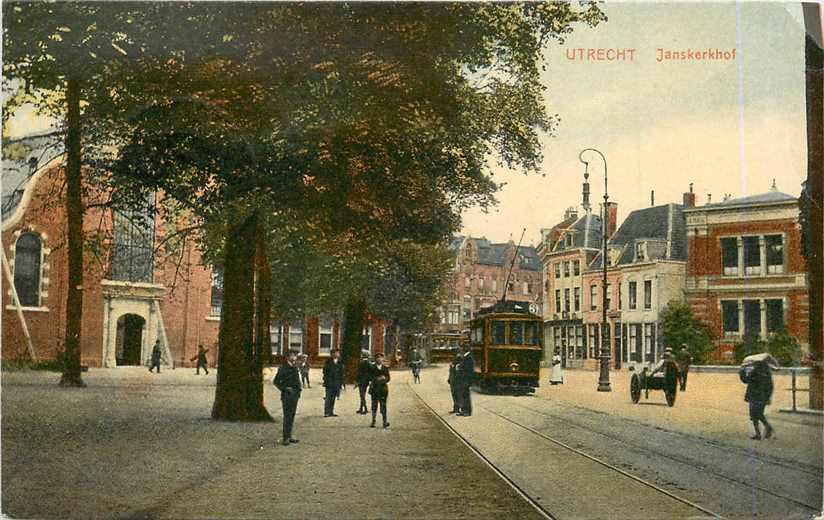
640 251
568 240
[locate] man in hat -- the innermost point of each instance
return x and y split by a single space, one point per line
201 360
415 362
332 381
466 372
363 378
684 361
156 355
304 371
379 389
759 393
287 381
454 384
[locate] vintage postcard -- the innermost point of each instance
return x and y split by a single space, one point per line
401 260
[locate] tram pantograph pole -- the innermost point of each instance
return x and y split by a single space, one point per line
605 354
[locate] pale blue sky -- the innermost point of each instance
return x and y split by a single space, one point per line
727 126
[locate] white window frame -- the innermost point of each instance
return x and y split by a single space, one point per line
775 268
367 332
276 331
330 331
296 330
647 294
42 279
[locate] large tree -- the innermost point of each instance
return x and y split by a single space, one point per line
361 119
61 49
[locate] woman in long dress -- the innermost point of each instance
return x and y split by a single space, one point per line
557 377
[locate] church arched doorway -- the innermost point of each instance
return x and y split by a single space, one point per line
129 339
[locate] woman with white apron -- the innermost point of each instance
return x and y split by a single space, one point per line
557 376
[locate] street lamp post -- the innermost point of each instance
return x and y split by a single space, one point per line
603 376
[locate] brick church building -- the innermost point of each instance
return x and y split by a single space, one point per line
130 297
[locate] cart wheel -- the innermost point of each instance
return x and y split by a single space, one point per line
635 388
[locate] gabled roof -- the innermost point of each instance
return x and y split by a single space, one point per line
488 253
585 232
22 157
658 223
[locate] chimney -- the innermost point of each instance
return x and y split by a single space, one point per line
709 198
612 218
571 213
689 198
652 198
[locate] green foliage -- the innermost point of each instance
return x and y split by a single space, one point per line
785 348
749 345
680 326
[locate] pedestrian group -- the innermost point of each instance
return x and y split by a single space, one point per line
372 378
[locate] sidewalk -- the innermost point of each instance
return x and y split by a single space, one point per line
136 445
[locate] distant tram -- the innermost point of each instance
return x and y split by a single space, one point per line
507 346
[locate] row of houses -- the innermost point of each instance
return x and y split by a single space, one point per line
737 263
130 298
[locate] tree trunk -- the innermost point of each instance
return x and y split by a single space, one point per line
814 58
352 336
262 353
233 399
74 218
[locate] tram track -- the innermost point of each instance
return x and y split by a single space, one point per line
807 469
540 509
543 511
659 453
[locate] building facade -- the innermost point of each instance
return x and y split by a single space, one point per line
479 279
565 259
130 297
745 272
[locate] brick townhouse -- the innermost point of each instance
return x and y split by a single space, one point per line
745 270
130 299
565 256
477 281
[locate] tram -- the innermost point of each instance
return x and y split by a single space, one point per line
507 345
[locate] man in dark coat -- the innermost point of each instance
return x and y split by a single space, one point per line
332 381
415 363
201 360
454 385
759 392
466 372
684 361
287 381
379 389
156 355
303 366
363 379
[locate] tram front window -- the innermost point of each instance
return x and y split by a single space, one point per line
532 333
478 334
498 332
516 333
